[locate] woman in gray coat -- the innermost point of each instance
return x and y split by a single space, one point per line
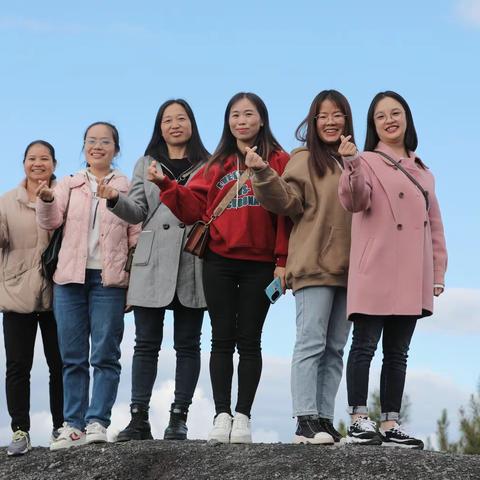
163 276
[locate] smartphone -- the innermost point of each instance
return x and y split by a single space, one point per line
274 290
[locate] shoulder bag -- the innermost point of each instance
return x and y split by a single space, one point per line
197 238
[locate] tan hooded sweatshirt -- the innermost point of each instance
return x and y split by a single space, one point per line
319 245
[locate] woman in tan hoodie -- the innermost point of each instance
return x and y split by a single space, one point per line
317 263
26 297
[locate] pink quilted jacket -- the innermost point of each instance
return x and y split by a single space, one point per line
116 235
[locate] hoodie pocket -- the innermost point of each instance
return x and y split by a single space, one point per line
335 252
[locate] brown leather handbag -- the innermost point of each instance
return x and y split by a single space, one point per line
197 238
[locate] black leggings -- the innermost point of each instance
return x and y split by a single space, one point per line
19 332
237 306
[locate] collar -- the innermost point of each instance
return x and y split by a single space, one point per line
412 159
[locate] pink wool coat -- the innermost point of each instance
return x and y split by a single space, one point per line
116 235
398 249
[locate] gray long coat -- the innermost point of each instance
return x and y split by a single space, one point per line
160 267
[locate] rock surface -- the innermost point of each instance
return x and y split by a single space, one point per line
200 460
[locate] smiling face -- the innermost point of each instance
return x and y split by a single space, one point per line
38 163
176 126
99 147
390 121
330 122
244 121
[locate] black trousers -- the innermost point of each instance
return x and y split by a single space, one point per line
397 333
187 328
237 306
19 332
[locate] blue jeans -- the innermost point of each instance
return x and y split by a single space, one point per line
187 328
89 312
317 362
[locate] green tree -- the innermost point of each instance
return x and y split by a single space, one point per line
342 428
470 426
469 429
442 434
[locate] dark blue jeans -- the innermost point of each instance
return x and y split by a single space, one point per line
187 328
87 313
397 333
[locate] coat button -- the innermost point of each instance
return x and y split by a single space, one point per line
166 226
401 194
425 223
181 225
395 168
399 226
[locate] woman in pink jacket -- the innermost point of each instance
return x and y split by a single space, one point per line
89 286
398 260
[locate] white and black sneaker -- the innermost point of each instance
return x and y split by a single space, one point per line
311 430
363 431
397 437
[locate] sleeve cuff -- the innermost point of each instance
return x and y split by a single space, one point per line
281 261
352 162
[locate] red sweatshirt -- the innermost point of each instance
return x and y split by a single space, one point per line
245 230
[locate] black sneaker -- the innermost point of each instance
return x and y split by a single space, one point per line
311 430
396 437
177 426
329 428
139 426
364 431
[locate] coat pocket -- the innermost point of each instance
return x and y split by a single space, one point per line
143 250
364 259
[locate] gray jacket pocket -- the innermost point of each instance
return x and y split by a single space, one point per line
143 249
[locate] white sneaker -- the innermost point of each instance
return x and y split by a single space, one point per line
96 433
241 429
68 437
222 425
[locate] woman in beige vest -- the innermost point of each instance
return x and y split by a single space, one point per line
26 297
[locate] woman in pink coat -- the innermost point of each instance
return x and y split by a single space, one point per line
398 260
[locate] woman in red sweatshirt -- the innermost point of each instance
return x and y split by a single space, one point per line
247 248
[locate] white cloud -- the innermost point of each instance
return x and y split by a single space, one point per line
457 311
35 25
469 12
42 26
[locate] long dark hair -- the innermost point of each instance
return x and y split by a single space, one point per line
410 141
157 148
113 128
265 141
320 153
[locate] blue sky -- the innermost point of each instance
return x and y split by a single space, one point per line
62 69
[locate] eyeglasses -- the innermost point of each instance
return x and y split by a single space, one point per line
103 142
336 117
382 117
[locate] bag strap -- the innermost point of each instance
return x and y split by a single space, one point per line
409 175
229 196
